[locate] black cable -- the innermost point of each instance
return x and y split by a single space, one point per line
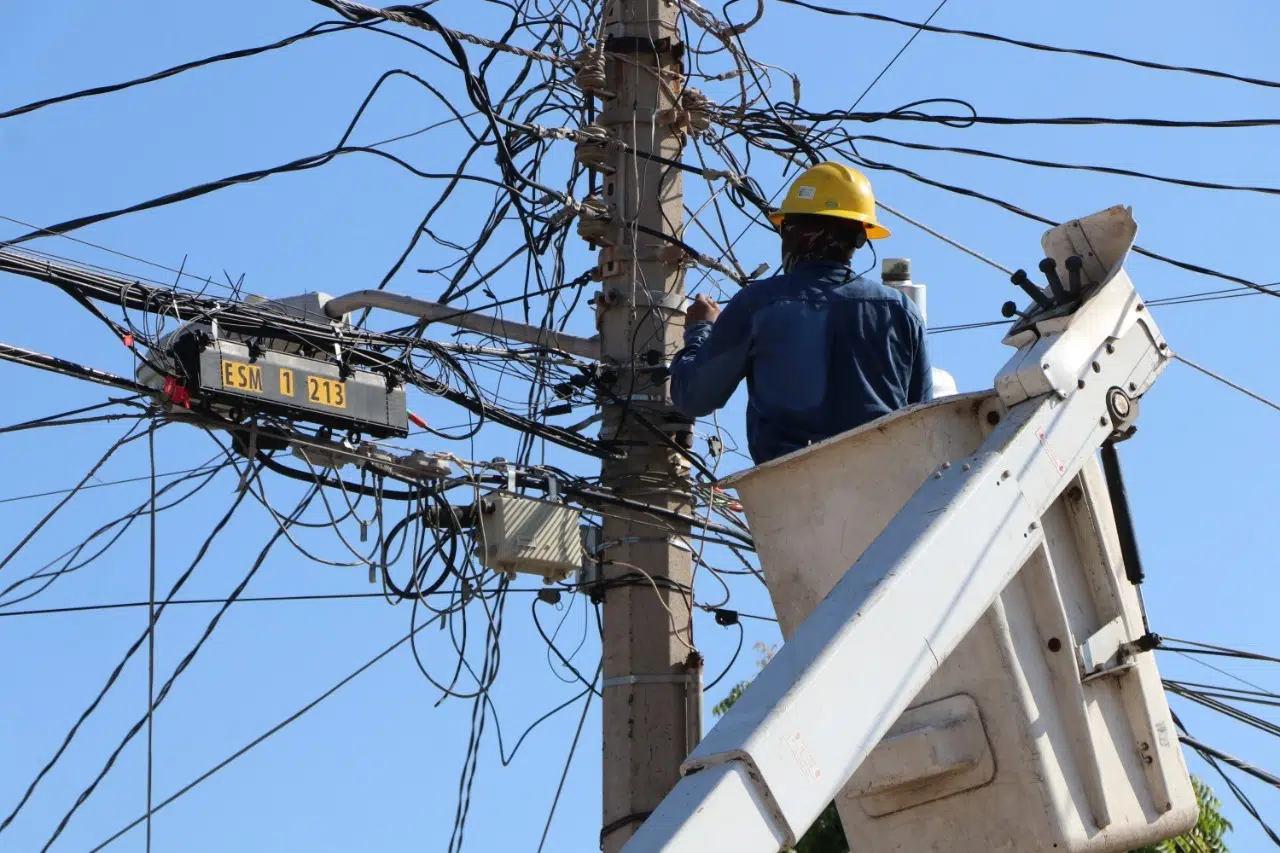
658 433
757 617
688 249
779 124
98 419
310 161
1225 709
590 685
317 30
413 590
488 674
111 680
1049 164
742 633
1182 299
181 667
61 418
1209 649
336 483
123 522
1240 795
339 596
128 437
1242 798
554 598
1091 54
506 759
1236 694
1012 208
151 638
897 56
590 496
261 738
122 334
573 747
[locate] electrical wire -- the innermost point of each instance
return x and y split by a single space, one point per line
151 637
286 722
573 748
178 670
317 30
128 437
1031 45
1207 372
111 680
515 253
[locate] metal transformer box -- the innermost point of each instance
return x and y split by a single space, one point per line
227 374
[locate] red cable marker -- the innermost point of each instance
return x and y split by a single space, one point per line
417 420
176 392
128 341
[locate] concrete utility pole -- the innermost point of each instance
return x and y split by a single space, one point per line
652 680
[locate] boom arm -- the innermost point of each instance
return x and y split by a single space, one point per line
773 762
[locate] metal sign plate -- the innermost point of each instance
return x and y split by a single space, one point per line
302 389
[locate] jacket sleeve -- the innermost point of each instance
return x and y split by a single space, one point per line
714 360
921 388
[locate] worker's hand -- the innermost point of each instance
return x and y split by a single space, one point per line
704 308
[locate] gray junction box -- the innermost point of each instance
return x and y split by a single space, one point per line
522 534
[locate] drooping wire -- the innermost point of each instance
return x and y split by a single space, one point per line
151 637
181 667
111 680
568 762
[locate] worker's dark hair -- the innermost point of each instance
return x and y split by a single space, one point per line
814 237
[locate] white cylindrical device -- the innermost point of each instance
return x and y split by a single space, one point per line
896 273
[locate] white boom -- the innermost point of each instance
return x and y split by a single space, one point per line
796 736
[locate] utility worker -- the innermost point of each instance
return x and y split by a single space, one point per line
822 350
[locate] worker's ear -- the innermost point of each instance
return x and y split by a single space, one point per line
860 236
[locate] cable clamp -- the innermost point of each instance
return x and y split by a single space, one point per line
543 132
722 175
669 678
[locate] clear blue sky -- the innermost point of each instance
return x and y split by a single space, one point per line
376 767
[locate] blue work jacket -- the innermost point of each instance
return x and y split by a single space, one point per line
822 352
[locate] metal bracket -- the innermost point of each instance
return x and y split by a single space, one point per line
1118 669
658 300
607 264
1104 652
669 678
661 299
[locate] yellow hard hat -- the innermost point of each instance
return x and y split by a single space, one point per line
833 189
